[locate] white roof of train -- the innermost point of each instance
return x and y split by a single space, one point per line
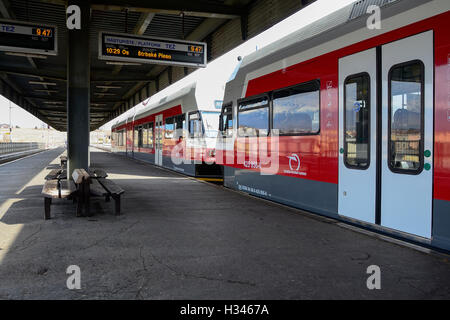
328 28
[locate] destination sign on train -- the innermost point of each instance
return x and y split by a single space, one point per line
141 49
28 37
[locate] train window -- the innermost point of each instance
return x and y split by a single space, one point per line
296 110
195 125
144 135
136 137
357 121
180 124
150 135
140 137
210 121
253 117
406 118
169 128
226 120
130 137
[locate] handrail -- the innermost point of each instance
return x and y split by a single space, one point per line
14 147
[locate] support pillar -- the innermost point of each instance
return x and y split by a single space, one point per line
78 91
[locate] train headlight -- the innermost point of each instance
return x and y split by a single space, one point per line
212 153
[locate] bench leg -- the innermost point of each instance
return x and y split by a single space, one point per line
87 199
79 200
47 204
117 205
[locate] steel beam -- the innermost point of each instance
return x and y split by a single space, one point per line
78 91
177 7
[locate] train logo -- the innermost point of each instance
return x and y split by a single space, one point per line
357 106
294 162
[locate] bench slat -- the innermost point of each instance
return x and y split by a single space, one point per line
97 189
67 188
111 186
63 175
53 174
98 173
50 189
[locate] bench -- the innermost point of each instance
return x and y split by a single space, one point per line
63 161
56 189
113 191
80 189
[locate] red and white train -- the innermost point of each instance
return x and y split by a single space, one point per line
178 132
361 119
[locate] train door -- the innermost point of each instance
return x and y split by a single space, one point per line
407 130
357 135
386 135
158 139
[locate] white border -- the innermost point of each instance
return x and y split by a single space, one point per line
123 59
28 50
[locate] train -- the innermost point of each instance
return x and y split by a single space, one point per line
348 118
177 132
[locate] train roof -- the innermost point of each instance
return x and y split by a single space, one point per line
338 23
168 101
118 124
199 95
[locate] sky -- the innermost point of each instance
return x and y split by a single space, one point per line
228 61
19 117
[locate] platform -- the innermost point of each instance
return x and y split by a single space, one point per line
180 238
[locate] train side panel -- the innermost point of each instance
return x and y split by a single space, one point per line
314 185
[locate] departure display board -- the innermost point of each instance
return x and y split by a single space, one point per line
141 49
28 37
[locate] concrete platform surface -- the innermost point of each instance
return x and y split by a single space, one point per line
184 239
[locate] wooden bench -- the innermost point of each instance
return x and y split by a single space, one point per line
113 191
80 189
63 161
56 189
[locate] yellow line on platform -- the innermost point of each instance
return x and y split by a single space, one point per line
210 179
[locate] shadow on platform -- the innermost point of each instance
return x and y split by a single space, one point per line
183 239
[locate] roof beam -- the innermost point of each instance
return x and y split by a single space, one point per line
61 76
201 32
198 8
63 99
144 21
33 73
5 10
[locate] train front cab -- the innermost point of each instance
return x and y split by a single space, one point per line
153 138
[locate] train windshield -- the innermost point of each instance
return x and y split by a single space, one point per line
210 123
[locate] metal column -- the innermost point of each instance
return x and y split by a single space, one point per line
78 91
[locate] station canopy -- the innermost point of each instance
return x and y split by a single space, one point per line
40 80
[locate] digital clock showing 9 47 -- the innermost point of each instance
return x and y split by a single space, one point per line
141 49
28 37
